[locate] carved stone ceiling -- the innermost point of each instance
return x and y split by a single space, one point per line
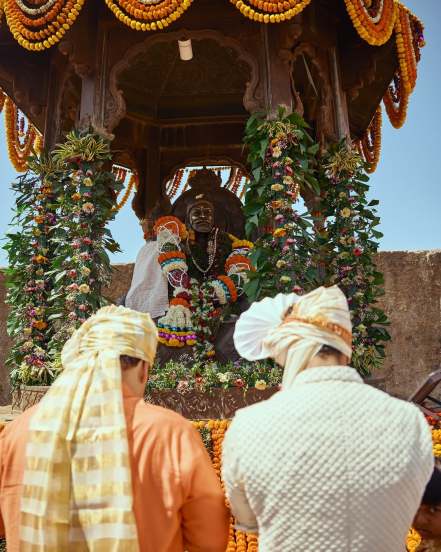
159 85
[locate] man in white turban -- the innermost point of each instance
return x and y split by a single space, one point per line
328 464
92 467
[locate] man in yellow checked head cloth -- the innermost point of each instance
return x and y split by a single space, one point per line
92 467
328 464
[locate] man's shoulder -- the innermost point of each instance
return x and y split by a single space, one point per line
151 413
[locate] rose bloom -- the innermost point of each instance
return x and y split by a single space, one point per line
87 182
281 263
276 152
84 288
288 180
239 382
87 241
260 385
345 213
72 316
72 273
88 208
357 251
85 271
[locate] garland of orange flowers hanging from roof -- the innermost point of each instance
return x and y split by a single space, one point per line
396 101
409 32
39 24
373 19
270 11
21 143
133 183
369 146
148 15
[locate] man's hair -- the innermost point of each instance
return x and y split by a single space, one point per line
327 350
432 494
128 362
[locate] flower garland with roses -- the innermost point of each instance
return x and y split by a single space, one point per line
334 242
86 195
30 251
196 309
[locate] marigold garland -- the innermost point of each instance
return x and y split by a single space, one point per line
370 145
396 101
271 11
40 28
20 144
374 21
146 17
133 183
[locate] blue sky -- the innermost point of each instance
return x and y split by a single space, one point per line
407 181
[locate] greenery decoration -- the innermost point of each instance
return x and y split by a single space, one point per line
30 251
334 242
282 159
58 260
186 374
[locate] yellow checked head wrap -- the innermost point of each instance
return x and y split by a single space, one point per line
77 492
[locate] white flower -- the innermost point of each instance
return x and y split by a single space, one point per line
223 377
277 151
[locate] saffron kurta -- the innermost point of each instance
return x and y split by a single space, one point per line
329 465
178 501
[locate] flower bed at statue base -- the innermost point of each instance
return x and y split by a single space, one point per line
214 403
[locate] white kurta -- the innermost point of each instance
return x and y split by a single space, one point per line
149 289
330 465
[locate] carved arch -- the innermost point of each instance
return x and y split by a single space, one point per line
115 104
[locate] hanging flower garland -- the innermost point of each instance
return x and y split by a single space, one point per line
86 198
121 176
396 101
373 19
21 142
369 146
148 16
30 252
173 185
39 24
270 11
281 157
195 306
409 33
351 242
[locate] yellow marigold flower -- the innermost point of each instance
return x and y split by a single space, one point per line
277 187
279 232
260 385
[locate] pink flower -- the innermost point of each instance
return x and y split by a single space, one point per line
279 218
182 386
72 316
288 170
76 244
358 251
72 273
290 241
72 287
87 241
239 382
297 289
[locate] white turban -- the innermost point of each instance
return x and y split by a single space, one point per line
318 318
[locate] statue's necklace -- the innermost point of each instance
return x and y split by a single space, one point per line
211 250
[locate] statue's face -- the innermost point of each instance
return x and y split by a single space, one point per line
201 216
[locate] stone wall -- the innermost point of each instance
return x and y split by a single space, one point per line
412 302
